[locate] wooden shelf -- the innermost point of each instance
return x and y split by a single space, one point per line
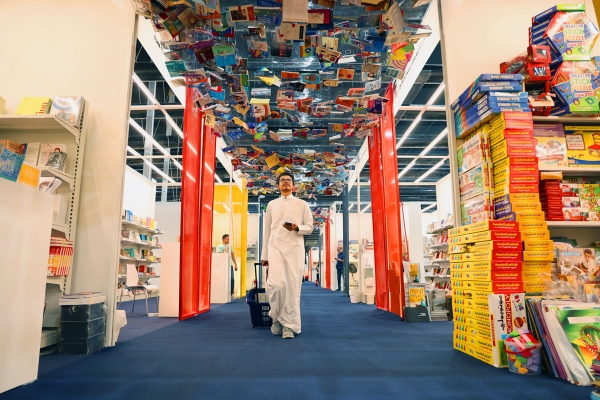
141 228
573 224
572 170
36 123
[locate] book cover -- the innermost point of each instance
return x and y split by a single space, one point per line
69 109
34 105
582 328
10 164
29 175
32 153
46 149
578 262
416 296
57 160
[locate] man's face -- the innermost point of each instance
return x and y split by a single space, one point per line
587 256
226 240
339 249
285 184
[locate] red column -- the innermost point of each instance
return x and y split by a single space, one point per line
207 192
190 223
389 164
379 221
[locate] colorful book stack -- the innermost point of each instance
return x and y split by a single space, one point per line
570 199
488 96
491 269
60 256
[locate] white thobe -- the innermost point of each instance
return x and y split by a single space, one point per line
285 252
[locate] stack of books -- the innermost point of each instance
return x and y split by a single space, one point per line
60 256
82 298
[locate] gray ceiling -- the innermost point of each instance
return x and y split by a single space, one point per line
430 126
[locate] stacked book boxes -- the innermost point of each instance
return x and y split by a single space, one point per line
493 265
571 199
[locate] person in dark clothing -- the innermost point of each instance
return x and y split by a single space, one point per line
340 267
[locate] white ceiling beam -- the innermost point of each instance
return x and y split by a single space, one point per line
153 167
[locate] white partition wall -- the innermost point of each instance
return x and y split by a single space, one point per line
87 50
24 244
139 194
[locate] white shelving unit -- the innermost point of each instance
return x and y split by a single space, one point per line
144 277
435 244
51 129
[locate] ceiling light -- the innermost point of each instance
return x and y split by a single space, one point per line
154 142
144 89
435 141
351 206
218 179
405 170
154 168
436 94
409 130
227 208
431 170
365 209
429 207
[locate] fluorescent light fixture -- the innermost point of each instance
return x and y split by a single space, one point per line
365 209
154 142
144 89
435 141
405 170
218 179
409 130
351 207
151 97
227 208
431 170
429 207
154 167
436 94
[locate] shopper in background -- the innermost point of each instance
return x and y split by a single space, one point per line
339 266
286 221
225 248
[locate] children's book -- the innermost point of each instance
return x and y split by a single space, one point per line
10 164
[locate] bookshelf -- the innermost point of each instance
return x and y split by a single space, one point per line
141 238
51 129
437 272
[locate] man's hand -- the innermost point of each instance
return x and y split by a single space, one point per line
235 267
265 263
291 227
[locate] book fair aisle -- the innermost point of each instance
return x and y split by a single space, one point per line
524 262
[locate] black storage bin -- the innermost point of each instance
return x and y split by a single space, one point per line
83 312
81 346
81 329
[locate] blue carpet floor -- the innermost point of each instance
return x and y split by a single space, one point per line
345 351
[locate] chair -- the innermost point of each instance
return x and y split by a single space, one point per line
132 283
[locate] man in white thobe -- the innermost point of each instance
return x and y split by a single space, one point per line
286 221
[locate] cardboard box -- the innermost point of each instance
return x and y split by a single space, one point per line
516 207
511 245
484 226
551 152
496 255
516 161
471 294
476 209
475 182
469 330
507 266
472 153
539 266
513 188
516 170
534 245
504 179
464 302
535 235
504 152
583 145
538 255
491 287
496 276
484 236
516 198
497 135
523 216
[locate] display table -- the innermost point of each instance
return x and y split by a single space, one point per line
220 273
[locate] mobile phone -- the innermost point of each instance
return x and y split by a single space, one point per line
288 224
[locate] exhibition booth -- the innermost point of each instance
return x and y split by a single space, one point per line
501 242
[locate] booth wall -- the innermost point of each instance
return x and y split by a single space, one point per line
88 50
444 197
139 194
168 215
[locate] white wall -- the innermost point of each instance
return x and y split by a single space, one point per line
168 215
444 197
81 48
139 194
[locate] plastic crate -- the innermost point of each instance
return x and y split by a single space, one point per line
259 312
